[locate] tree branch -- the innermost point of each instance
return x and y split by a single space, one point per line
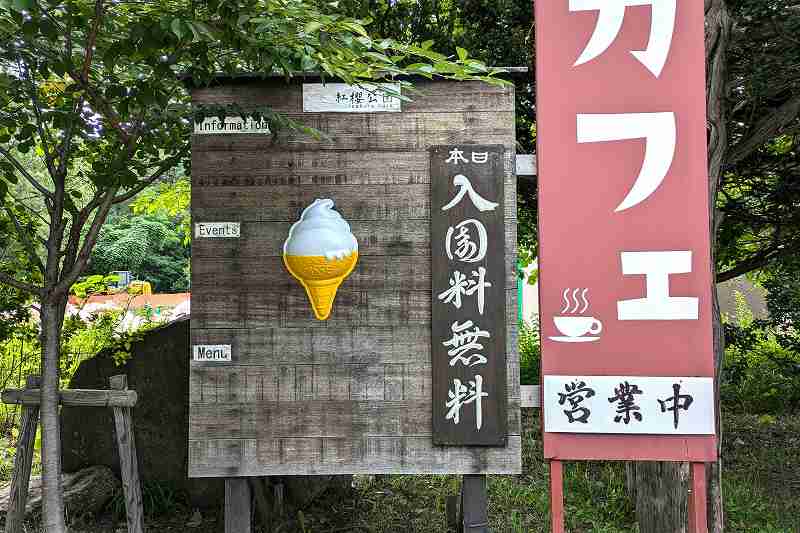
748 265
766 128
38 186
91 40
88 242
37 111
162 168
27 243
27 287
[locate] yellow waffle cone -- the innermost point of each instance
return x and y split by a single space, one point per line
321 296
321 278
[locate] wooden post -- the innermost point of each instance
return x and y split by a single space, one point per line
23 459
474 504
263 505
237 505
557 496
698 519
128 464
451 512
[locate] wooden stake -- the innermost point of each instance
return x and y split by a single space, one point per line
23 459
128 464
263 506
237 505
474 504
698 519
452 515
557 496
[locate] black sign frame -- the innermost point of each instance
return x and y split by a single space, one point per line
467 191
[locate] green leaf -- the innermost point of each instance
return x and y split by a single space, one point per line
462 54
312 27
355 28
177 28
22 5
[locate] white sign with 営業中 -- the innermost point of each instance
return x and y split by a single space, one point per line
629 405
344 98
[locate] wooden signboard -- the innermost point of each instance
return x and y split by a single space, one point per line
467 254
351 394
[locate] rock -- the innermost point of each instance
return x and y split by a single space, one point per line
85 491
158 371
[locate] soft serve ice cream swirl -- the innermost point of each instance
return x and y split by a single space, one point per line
320 252
321 231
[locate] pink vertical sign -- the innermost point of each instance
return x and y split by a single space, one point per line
627 358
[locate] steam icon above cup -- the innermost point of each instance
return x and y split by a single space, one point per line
574 327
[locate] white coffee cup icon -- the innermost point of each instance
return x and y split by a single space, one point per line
577 326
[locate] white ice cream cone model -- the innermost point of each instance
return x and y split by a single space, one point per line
320 252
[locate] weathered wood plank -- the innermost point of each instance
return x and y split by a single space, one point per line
23 461
214 169
426 96
221 309
332 345
128 462
292 382
74 397
318 418
377 132
354 202
365 455
373 273
322 167
237 506
375 237
530 396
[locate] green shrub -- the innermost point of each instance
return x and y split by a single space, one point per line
761 378
761 371
530 353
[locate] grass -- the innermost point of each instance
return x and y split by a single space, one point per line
761 490
761 462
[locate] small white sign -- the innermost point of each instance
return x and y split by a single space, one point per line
217 230
212 125
212 352
526 164
344 98
629 405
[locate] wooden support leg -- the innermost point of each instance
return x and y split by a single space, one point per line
263 505
23 459
474 504
557 496
128 464
237 505
451 513
698 519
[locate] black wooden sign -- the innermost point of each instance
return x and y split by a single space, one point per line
468 290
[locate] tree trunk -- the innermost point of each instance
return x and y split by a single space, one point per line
657 483
661 504
52 319
718 29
